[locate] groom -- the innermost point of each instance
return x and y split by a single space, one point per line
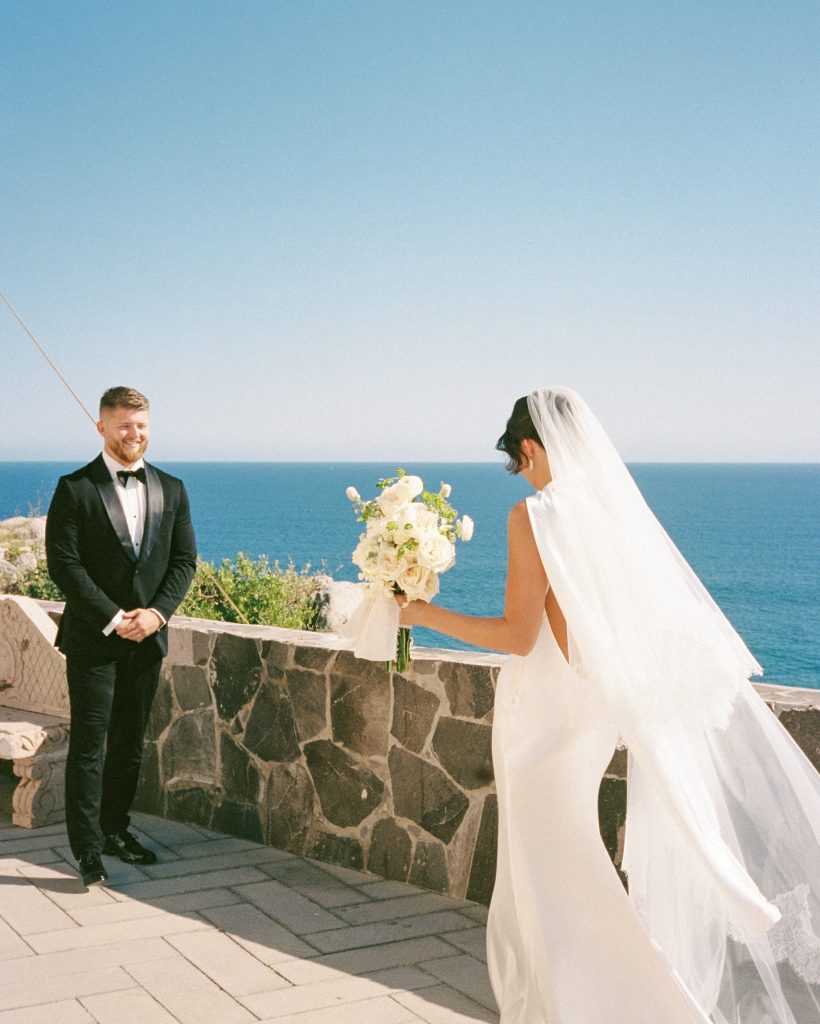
121 547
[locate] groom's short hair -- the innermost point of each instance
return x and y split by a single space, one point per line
123 398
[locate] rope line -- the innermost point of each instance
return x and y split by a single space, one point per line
47 358
204 565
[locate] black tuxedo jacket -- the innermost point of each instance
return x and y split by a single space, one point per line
91 558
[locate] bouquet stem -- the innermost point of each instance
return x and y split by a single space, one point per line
403 641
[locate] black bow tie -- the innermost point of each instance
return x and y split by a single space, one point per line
123 475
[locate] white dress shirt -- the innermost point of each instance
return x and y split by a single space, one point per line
133 498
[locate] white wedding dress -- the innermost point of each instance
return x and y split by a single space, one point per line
565 946
565 943
722 844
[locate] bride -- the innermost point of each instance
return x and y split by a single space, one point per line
616 642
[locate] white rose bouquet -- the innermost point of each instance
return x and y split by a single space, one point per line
409 540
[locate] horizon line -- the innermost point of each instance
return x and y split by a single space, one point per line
424 462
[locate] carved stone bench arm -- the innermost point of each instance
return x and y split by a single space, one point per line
26 738
33 711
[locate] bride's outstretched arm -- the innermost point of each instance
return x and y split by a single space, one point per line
516 630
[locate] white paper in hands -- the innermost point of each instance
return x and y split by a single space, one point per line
371 630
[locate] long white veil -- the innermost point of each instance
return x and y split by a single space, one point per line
722 844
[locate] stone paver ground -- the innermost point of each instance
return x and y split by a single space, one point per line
224 931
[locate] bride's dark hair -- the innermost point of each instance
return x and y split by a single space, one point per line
520 427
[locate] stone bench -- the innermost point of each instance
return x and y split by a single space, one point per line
34 711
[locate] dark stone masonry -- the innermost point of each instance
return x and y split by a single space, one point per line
272 734
275 736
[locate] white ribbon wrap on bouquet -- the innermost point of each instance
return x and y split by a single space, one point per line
371 630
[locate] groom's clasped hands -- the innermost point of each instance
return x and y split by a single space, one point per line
139 624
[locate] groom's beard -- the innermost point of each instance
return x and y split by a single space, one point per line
127 453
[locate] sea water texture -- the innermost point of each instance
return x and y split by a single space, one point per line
751 532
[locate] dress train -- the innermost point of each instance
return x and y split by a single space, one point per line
566 944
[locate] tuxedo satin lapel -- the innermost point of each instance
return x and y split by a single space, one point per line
154 508
106 487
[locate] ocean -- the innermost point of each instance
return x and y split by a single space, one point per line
750 531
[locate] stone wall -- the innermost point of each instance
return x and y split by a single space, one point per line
274 735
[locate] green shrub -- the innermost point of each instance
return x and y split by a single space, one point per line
265 593
36 583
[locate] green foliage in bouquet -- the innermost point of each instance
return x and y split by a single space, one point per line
436 501
266 594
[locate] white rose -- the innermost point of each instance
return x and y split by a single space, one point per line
379 563
427 519
464 528
430 587
418 583
401 493
413 520
435 552
362 552
378 530
446 490
353 494
386 565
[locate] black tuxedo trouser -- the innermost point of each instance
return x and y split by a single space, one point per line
110 704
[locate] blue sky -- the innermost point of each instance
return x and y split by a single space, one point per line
360 230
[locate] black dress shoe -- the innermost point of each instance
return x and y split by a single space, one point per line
128 849
91 869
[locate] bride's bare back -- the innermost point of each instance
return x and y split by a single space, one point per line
558 624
